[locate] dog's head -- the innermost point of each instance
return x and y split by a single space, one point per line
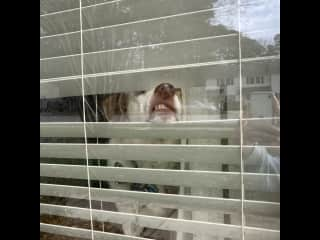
163 104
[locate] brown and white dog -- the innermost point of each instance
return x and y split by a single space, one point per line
161 104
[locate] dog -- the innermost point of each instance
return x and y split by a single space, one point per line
162 104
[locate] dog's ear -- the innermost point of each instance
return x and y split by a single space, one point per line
106 107
115 107
178 93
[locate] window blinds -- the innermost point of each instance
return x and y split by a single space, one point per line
228 153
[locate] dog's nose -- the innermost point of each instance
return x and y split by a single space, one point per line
164 90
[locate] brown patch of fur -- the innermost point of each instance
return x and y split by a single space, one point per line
115 107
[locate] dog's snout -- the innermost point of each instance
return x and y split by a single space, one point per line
165 90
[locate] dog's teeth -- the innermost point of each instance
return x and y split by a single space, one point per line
162 106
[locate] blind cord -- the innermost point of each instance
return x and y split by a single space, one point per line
241 127
84 121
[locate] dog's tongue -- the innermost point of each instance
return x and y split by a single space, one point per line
163 115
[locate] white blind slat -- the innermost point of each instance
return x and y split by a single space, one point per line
146 78
192 129
179 225
256 233
143 175
189 178
84 233
174 54
186 202
60 46
112 14
126 81
101 40
172 224
135 80
55 6
65 231
146 152
64 23
227 154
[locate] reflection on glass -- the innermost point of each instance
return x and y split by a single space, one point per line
261 132
260 44
260 15
264 163
59 23
209 23
60 45
261 89
51 6
126 11
262 159
93 2
224 48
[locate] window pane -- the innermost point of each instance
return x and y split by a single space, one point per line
152 115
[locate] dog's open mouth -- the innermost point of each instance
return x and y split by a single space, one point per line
163 108
162 104
162 111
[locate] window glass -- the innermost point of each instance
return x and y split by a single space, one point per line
160 119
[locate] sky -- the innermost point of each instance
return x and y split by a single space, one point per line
259 20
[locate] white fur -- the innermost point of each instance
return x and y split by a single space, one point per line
138 112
